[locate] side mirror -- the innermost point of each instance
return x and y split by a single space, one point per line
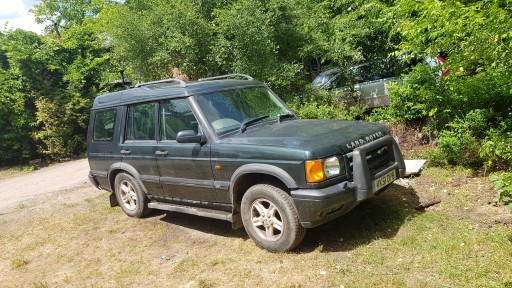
190 136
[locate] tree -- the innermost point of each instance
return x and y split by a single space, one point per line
149 39
56 78
16 101
259 38
204 38
477 94
59 15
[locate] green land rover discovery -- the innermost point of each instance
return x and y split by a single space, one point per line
229 148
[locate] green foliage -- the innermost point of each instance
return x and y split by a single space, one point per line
57 139
476 37
361 32
260 39
16 145
64 14
16 101
475 34
175 34
497 147
462 142
502 183
458 147
320 104
417 97
199 39
476 95
50 83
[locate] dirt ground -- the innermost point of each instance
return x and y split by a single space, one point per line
46 181
57 230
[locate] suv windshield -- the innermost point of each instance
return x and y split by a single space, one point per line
227 110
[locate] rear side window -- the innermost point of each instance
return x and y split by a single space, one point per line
140 123
104 123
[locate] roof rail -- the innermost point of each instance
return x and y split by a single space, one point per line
247 77
182 83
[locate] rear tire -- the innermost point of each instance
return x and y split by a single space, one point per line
130 196
271 219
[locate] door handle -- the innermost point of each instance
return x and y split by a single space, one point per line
126 152
161 153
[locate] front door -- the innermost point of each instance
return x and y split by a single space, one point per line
185 169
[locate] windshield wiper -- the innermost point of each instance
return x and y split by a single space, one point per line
248 122
280 117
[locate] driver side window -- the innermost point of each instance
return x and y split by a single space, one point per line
175 116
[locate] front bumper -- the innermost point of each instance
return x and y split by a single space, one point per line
317 206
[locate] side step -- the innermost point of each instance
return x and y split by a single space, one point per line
205 212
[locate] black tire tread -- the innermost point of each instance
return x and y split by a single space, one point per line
143 209
287 202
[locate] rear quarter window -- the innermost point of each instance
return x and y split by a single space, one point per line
104 123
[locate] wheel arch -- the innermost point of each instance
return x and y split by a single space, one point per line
120 167
251 174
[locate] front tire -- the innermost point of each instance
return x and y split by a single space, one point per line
130 196
271 219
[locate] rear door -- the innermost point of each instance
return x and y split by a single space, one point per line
103 146
139 144
185 168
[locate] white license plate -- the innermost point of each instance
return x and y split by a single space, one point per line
384 180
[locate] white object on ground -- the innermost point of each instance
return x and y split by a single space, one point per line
413 167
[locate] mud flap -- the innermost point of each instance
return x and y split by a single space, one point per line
113 200
237 221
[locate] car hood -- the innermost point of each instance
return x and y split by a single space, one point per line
322 137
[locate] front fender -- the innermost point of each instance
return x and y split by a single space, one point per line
263 169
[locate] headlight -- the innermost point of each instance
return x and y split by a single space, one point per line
321 169
332 167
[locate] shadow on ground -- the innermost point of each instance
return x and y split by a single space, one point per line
377 218
203 224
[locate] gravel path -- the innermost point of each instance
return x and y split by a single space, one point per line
68 175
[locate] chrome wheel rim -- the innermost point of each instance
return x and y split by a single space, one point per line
128 195
266 220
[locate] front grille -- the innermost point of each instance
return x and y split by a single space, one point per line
349 163
377 159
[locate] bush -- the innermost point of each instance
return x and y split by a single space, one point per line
16 145
497 147
459 143
322 104
503 185
57 137
418 96
459 149
497 152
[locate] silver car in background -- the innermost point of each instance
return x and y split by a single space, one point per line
370 82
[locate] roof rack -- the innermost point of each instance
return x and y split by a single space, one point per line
182 83
247 77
